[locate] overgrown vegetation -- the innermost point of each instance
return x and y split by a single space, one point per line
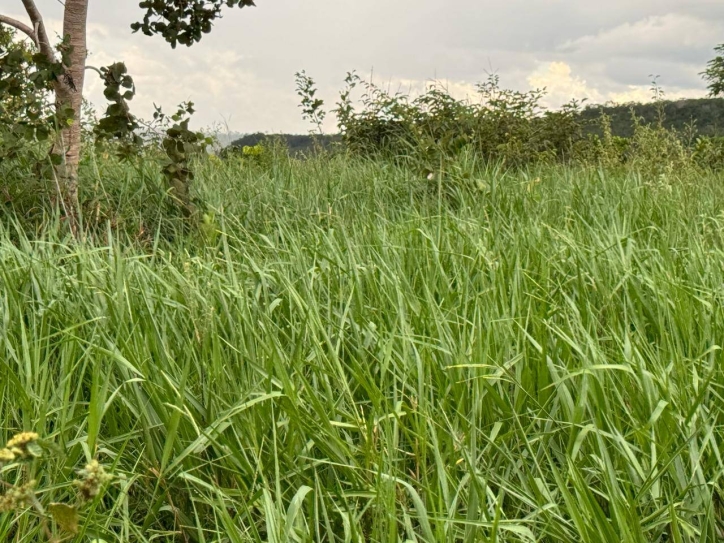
704 117
341 355
45 88
505 126
461 322
512 128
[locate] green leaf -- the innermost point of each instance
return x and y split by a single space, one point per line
34 449
65 516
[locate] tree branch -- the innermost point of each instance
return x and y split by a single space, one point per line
42 41
25 29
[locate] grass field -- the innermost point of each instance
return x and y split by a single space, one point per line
351 353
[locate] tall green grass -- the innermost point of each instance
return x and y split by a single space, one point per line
347 352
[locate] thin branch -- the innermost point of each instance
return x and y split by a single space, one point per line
18 25
43 41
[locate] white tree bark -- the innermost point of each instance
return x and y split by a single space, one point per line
68 90
69 93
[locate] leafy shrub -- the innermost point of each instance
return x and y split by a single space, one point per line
708 152
28 118
513 129
504 125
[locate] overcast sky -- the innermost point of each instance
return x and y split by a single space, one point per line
242 74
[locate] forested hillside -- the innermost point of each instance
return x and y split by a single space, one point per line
297 143
707 115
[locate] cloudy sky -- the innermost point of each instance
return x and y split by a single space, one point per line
242 75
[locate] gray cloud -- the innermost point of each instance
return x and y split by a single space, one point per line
243 71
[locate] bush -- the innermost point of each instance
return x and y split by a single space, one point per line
505 125
513 129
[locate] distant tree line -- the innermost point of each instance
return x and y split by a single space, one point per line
705 114
296 143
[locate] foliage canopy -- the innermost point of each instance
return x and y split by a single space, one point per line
182 21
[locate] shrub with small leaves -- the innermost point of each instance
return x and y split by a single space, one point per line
27 113
119 123
714 73
430 129
312 107
181 145
709 152
169 132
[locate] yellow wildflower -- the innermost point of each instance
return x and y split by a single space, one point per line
6 456
24 445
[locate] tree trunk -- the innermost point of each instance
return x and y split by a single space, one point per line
69 94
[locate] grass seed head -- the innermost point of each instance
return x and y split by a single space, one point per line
91 480
6 456
18 497
24 446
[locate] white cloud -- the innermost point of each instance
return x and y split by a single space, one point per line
562 85
664 36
